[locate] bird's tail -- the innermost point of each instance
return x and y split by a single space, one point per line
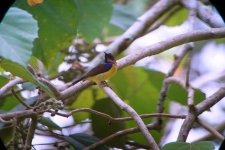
75 82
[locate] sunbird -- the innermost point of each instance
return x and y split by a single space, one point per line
101 72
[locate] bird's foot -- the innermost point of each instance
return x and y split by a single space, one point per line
104 84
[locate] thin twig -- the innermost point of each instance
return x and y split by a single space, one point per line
133 114
210 129
51 86
116 135
20 100
177 60
104 115
30 133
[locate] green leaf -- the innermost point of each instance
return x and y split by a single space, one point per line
3 80
203 145
82 140
198 96
177 93
178 18
24 73
18 30
28 86
100 124
57 21
122 16
49 123
27 101
94 15
6 134
8 103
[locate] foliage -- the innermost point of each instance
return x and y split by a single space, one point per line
39 37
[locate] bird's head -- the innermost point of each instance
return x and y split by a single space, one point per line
109 58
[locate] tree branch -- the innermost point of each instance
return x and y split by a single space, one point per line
162 46
138 28
116 135
154 49
210 129
30 133
133 114
106 116
9 85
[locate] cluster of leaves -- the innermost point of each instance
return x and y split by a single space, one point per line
32 34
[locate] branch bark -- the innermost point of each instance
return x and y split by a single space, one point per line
133 114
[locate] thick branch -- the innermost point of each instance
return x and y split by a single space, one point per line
162 46
139 27
154 49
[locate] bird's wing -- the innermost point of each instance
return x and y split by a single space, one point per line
101 68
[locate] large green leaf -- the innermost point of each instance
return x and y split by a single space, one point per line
101 127
18 30
203 145
82 140
24 73
8 103
94 15
57 21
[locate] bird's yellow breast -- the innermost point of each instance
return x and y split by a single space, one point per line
104 76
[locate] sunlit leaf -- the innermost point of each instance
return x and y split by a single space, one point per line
18 30
57 21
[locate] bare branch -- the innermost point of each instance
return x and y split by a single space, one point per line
20 100
139 27
51 86
210 129
162 46
154 49
9 85
133 114
30 133
210 101
104 115
197 110
177 60
116 135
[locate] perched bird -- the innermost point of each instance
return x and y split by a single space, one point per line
101 72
